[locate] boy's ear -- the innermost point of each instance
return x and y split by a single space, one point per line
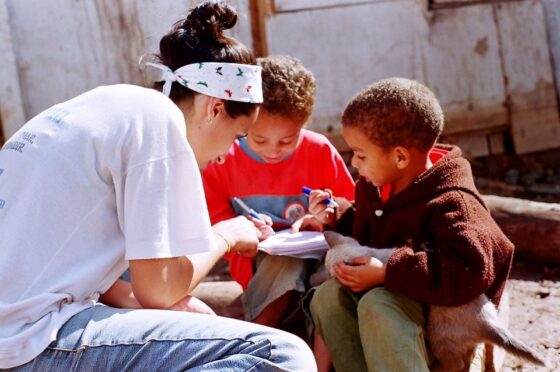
402 157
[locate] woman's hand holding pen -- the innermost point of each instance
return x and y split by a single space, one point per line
262 222
240 234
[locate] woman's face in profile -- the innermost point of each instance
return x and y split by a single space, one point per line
220 135
211 130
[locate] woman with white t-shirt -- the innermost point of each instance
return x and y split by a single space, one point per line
110 180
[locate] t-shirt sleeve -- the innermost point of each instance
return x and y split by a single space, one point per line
162 210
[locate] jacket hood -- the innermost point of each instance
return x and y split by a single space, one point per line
451 173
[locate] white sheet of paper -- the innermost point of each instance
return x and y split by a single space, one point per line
303 244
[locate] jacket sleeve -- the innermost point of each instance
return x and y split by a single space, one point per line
458 265
216 188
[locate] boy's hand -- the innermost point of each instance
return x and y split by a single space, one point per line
325 214
264 226
361 273
307 222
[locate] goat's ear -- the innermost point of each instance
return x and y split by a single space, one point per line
334 238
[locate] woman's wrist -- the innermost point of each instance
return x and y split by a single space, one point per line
228 243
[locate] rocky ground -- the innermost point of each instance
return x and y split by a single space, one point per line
534 288
535 313
534 308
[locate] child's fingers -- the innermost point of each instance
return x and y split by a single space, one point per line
316 198
359 261
266 218
344 271
346 281
264 221
307 222
296 226
266 232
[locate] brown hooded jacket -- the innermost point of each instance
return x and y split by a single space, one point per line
451 249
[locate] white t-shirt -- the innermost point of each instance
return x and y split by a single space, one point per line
84 186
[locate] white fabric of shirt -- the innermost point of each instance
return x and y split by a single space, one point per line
84 186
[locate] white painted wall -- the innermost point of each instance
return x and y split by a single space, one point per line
11 108
489 64
66 47
483 61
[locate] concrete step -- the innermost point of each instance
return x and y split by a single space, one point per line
222 296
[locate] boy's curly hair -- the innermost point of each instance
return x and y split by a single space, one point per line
288 87
396 112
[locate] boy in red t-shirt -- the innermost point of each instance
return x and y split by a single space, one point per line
266 170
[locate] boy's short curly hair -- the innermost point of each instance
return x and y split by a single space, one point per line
396 112
288 87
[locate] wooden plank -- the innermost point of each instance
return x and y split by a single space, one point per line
472 144
442 4
65 47
370 45
460 118
257 11
534 227
530 82
463 68
455 52
552 16
12 116
298 5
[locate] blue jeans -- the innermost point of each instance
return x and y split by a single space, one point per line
108 339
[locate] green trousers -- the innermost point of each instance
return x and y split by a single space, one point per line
375 331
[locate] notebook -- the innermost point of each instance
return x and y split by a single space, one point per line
303 244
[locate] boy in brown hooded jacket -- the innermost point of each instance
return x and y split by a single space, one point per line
415 195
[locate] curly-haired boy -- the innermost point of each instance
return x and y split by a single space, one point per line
267 169
420 197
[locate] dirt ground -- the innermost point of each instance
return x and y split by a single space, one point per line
535 313
534 288
534 309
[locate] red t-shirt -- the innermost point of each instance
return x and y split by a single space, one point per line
273 189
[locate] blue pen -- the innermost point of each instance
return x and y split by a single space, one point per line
250 211
328 201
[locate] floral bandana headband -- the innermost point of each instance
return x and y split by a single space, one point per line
230 81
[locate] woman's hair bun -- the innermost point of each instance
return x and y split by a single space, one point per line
209 19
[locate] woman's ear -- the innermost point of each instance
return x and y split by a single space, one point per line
216 107
402 157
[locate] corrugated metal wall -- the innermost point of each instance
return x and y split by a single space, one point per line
490 64
62 48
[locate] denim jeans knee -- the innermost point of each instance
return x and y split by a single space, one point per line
105 338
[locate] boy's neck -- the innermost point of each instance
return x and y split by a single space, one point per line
420 162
